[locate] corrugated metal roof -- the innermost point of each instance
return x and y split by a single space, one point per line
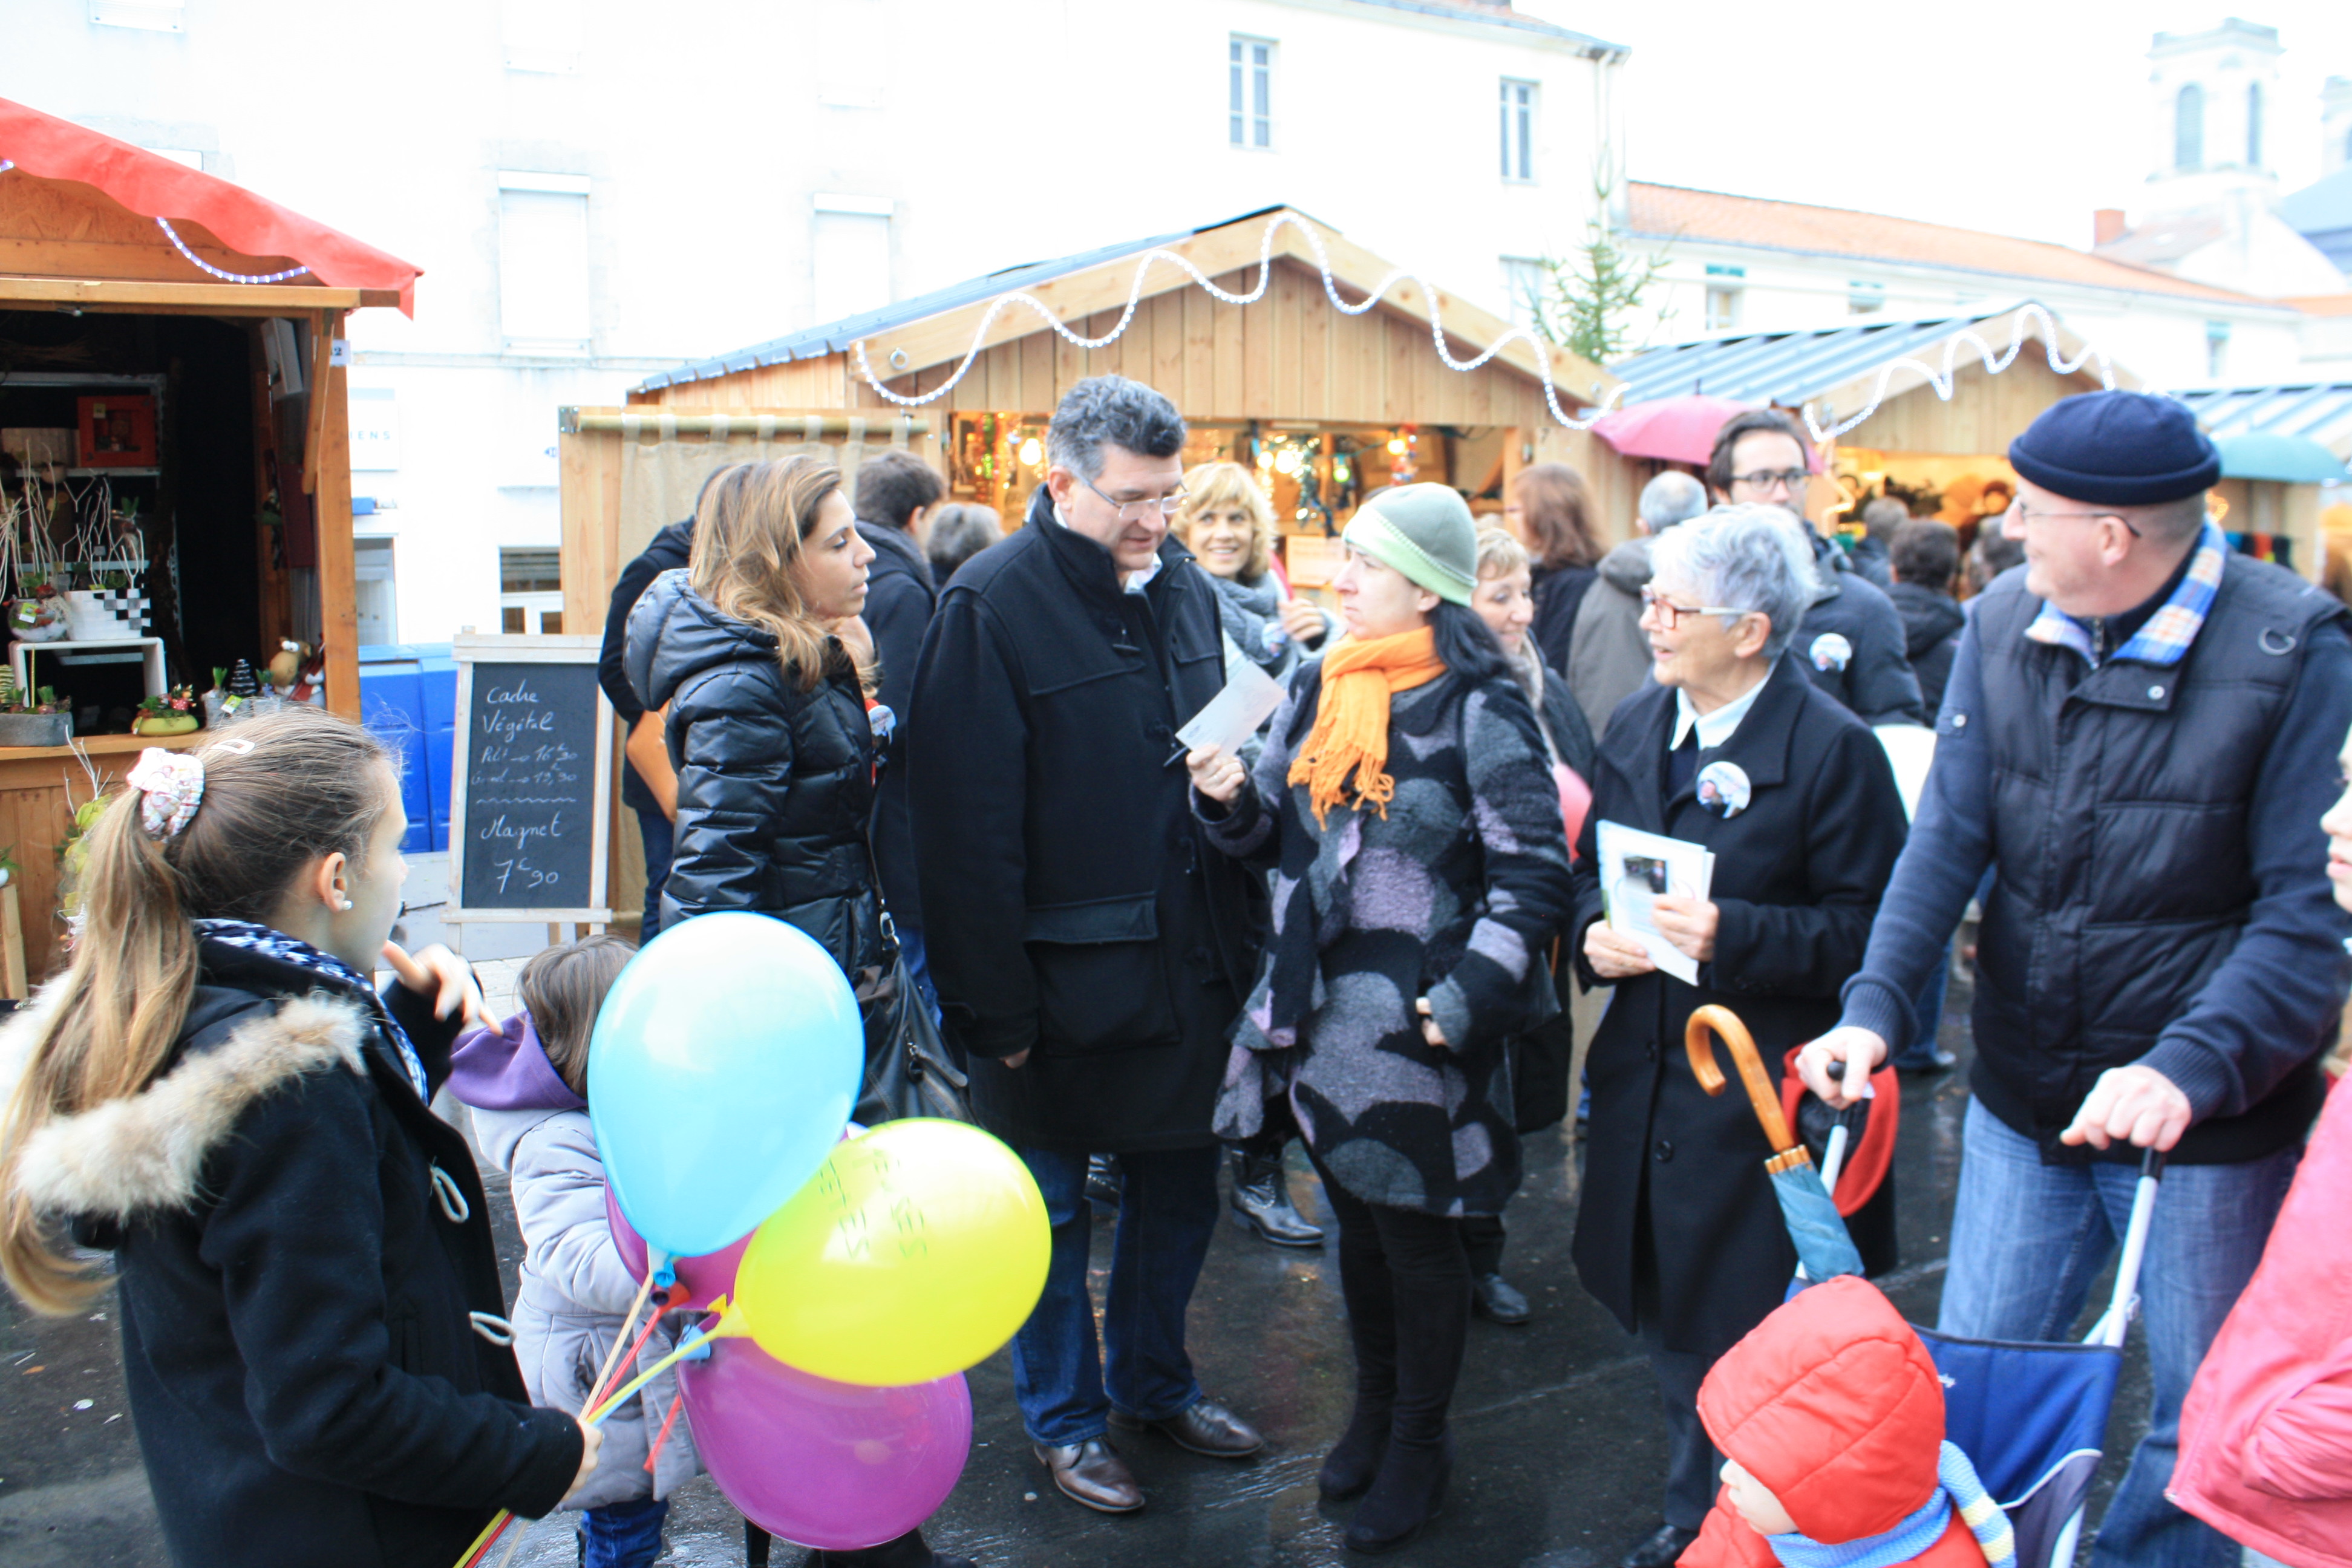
2320 410
834 337
1789 368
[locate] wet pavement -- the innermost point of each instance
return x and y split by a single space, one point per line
1561 1447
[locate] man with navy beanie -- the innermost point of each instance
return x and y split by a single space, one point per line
2139 739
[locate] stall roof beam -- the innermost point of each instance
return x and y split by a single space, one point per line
185 299
2320 410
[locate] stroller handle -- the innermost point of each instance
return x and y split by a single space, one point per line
1761 1093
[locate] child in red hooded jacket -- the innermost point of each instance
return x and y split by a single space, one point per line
1831 1418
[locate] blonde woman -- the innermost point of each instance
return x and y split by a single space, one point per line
1227 524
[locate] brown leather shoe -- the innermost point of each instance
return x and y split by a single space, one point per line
1204 1427
1092 1473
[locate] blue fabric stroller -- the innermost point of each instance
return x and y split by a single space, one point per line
2033 1418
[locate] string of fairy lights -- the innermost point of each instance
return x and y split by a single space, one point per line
1941 379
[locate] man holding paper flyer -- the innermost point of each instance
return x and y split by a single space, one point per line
1744 825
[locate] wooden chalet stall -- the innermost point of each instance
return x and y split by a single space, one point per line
1944 456
1325 406
2284 446
171 428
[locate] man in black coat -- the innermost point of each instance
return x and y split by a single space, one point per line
654 800
1089 948
1925 560
895 492
2139 741
1852 641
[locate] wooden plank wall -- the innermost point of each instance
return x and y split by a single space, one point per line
1984 413
61 229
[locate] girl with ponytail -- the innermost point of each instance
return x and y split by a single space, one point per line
213 1094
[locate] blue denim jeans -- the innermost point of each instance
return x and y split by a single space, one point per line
919 965
2027 1241
1167 1213
623 1534
660 838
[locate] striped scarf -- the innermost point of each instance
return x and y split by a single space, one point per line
1957 1487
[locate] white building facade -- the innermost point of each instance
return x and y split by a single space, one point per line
595 192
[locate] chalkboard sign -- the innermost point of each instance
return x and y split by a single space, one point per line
530 788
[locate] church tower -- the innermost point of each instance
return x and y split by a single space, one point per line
2212 96
2335 124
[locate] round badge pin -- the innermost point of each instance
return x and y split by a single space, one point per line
1830 651
1723 788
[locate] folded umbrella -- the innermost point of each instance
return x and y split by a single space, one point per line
1823 1247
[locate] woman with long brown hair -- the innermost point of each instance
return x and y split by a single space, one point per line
754 650
1549 509
314 1340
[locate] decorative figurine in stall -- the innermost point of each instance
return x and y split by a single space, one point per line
242 681
287 663
39 615
174 713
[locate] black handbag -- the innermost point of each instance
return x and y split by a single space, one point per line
907 1072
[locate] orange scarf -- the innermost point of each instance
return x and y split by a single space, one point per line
1351 724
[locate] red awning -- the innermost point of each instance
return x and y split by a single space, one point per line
154 186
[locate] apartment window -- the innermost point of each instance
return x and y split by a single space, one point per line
1518 130
2254 125
2217 349
541 35
543 263
853 51
2188 128
371 592
1865 299
1723 287
1249 77
850 249
151 16
531 591
1526 284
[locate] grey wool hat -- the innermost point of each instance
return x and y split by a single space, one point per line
1424 531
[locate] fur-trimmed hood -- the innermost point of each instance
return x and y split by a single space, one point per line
148 1151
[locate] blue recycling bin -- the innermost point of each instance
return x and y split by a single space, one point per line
408 698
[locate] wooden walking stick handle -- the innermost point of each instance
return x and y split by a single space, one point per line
1761 1092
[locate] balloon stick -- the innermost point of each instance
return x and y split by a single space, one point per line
613 1356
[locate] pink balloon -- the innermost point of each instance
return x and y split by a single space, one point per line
825 1463
700 1280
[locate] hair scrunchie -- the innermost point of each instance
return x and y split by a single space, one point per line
170 785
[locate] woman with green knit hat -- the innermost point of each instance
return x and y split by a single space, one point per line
1406 805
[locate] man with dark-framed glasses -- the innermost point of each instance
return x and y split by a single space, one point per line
1090 950
1853 643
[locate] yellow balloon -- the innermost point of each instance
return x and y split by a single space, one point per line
916 1250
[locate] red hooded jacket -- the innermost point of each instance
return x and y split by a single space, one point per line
1834 1405
2266 1431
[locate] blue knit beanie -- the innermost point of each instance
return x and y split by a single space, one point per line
2117 449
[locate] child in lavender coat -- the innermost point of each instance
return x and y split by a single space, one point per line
526 1082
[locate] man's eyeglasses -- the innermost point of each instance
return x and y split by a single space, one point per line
1792 479
2026 516
1672 614
1138 510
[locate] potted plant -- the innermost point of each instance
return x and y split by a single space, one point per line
174 713
46 721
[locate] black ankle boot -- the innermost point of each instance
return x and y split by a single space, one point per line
1408 1494
909 1551
1262 1203
1352 1463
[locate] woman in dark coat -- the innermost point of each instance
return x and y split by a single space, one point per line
1404 798
768 730
1549 509
1734 748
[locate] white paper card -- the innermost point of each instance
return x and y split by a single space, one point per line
1232 715
1636 870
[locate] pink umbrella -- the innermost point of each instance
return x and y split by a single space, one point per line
1677 429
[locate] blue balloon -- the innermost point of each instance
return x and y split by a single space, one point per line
725 1063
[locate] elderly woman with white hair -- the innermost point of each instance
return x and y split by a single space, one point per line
1731 747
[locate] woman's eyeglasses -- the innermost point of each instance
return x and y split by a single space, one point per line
1672 614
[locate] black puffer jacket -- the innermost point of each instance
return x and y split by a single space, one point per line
299 1243
775 782
1850 642
1931 636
